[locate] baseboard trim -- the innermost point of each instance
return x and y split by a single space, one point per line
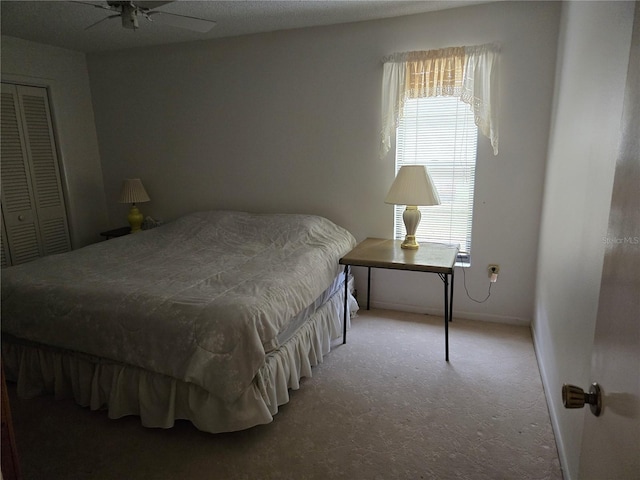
553 413
484 317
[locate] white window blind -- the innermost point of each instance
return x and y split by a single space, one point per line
440 132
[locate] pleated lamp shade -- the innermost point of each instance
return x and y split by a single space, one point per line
133 191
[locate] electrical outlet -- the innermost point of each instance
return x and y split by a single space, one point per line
493 270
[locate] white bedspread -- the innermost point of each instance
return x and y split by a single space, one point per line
201 299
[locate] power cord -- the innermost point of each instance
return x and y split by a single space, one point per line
464 274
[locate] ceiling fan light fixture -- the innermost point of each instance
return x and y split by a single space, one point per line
130 16
129 12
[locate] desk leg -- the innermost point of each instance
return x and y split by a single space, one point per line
447 313
451 299
447 279
368 286
346 302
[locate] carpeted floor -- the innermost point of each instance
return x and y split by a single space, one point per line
384 406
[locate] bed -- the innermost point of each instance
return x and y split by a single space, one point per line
211 318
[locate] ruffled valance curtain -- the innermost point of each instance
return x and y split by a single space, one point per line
470 73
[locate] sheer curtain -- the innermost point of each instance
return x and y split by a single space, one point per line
470 73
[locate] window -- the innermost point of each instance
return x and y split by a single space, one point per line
440 132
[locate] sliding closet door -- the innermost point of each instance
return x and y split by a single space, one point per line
33 209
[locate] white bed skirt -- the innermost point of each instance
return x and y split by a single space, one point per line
159 400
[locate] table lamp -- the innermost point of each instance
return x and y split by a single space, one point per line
412 187
133 192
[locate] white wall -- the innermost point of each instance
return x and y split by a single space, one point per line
592 64
289 121
64 73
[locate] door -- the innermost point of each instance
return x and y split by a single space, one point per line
611 441
21 236
33 209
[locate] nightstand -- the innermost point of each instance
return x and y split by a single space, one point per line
116 232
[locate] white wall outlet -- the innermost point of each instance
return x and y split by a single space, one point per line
493 271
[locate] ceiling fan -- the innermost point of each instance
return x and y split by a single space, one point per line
129 11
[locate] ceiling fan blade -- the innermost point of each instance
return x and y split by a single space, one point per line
149 5
95 5
102 20
182 21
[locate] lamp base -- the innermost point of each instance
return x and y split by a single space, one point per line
411 217
135 219
410 243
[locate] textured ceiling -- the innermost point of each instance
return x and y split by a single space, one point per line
63 23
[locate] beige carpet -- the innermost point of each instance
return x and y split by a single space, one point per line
384 406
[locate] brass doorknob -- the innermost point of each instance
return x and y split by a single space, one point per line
575 397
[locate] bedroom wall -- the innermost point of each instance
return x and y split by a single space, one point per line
64 73
592 65
289 121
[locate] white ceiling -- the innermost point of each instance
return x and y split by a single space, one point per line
62 23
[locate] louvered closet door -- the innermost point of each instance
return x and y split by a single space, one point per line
45 174
32 201
18 201
4 254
